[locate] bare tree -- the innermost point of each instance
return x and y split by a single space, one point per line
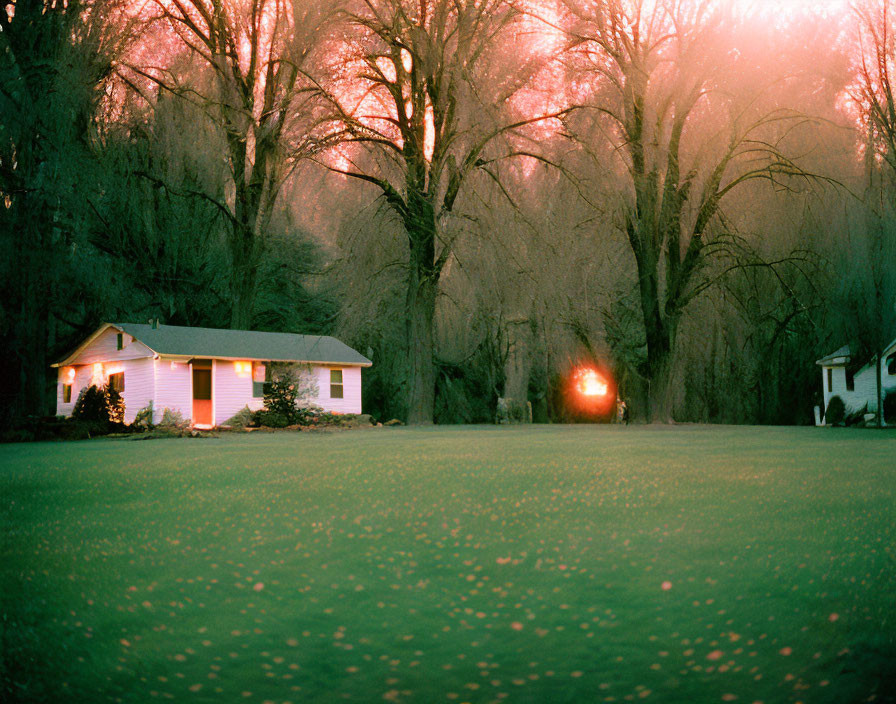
684 140
874 290
431 83
257 54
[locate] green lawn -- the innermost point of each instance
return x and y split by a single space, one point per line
541 564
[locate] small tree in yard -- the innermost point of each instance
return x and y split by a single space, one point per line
99 405
836 412
290 387
91 405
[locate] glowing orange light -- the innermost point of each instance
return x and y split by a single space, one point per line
590 383
70 374
242 368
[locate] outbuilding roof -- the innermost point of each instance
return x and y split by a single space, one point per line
837 358
842 357
181 341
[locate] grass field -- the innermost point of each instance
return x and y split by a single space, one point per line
540 564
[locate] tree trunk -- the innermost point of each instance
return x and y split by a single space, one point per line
660 336
244 273
420 313
518 364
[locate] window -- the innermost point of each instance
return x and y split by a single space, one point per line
891 364
850 380
66 393
259 378
116 381
830 380
119 341
336 383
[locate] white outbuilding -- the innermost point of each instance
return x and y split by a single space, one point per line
857 387
205 374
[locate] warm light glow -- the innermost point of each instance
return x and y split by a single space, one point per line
97 378
590 383
242 368
69 375
258 372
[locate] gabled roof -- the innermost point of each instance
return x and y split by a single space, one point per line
180 341
840 357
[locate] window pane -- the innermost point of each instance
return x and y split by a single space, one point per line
335 376
202 384
335 390
116 381
66 393
257 389
120 341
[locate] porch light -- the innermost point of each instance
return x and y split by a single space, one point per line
242 368
69 375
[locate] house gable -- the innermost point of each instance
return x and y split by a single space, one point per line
102 346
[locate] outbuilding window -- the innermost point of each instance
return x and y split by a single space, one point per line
891 364
119 341
66 393
850 380
116 381
830 380
336 387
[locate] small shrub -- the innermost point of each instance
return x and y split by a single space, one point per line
114 403
173 420
288 392
836 411
143 419
241 419
270 419
890 406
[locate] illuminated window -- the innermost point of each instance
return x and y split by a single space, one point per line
830 379
336 383
850 381
116 381
120 341
66 393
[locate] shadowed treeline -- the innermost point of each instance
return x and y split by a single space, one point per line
696 196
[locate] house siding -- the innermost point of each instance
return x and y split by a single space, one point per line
351 383
83 375
865 391
231 391
139 386
174 388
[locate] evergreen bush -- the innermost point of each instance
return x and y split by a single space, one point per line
836 411
91 405
890 406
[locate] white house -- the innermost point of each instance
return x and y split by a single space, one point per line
205 374
857 388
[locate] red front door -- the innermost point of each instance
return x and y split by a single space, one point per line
202 397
